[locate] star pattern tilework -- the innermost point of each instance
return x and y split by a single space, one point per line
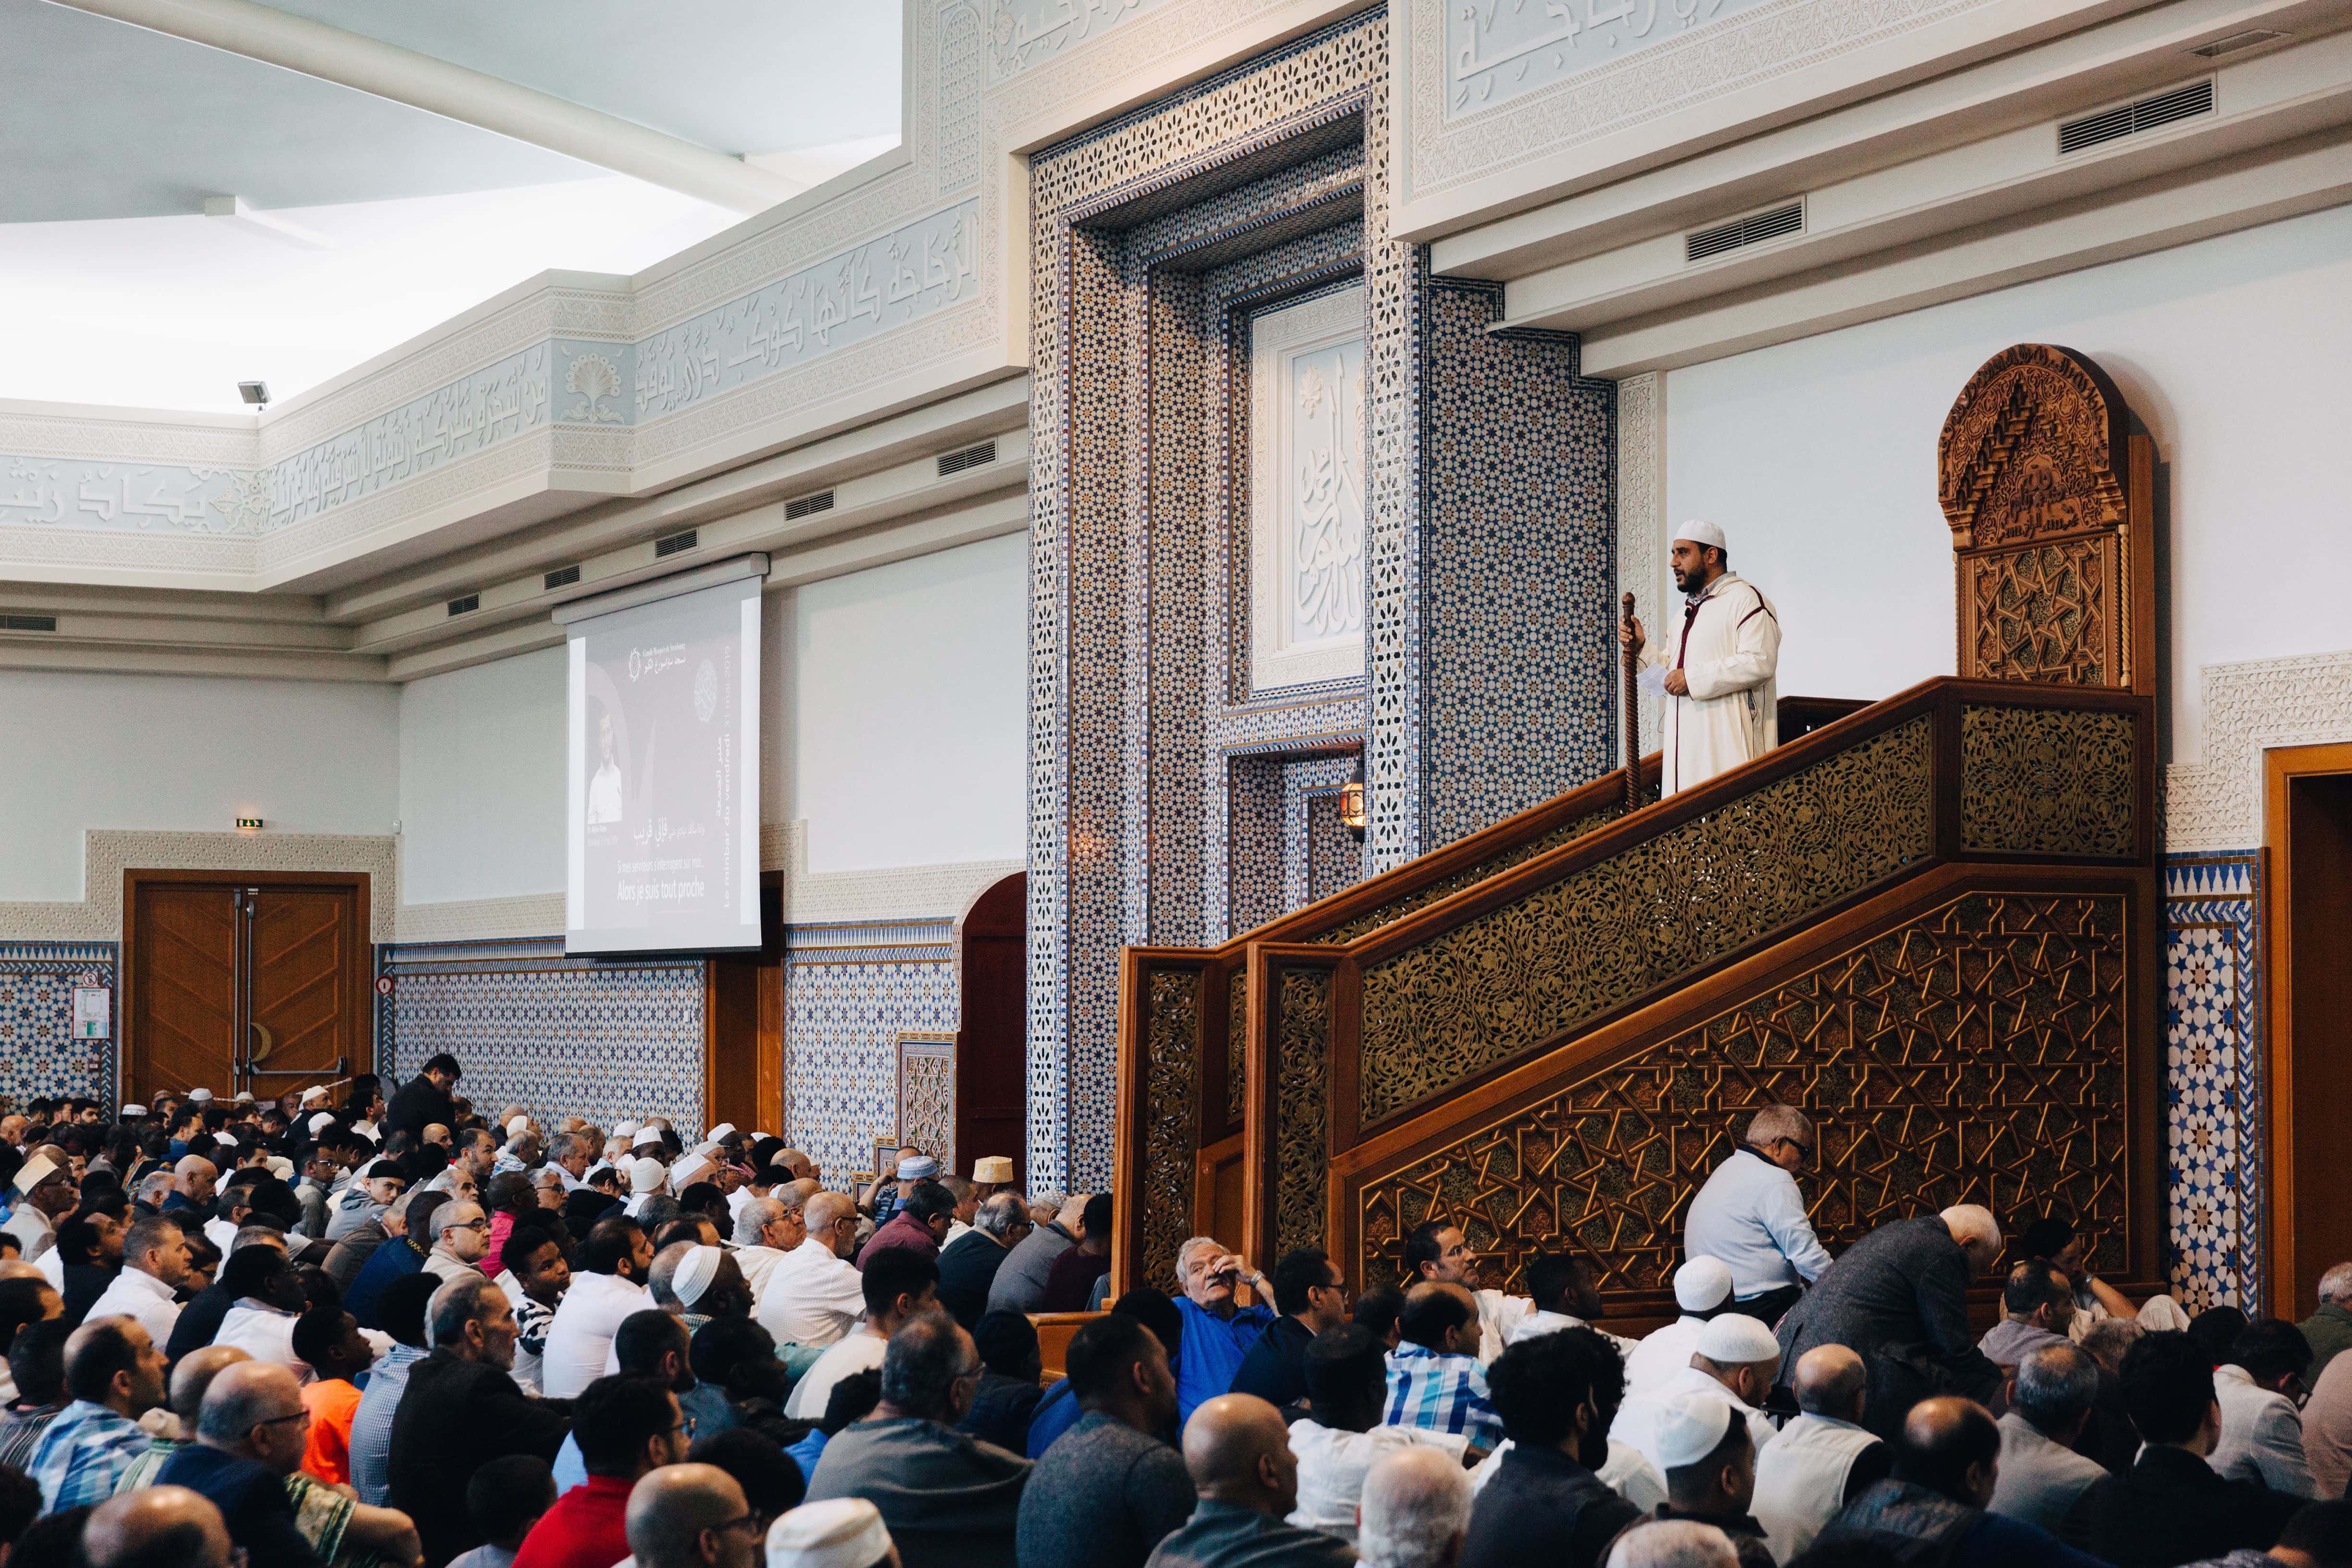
848 992
2214 1078
38 1054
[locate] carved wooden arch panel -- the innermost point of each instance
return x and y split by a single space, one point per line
2046 488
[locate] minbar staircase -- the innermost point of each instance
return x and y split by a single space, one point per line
1931 923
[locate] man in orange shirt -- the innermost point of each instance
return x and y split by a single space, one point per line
330 1340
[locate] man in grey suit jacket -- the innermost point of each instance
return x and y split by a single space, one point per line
1020 1282
2040 1474
1899 1298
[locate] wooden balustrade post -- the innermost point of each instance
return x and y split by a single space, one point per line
1632 717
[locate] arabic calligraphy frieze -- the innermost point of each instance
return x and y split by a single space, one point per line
883 284
465 416
1023 32
1497 50
130 497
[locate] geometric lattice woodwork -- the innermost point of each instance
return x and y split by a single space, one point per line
2034 475
927 1090
1975 1054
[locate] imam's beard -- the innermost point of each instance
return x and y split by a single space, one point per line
1689 581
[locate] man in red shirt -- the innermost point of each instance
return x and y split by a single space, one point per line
920 1226
626 1426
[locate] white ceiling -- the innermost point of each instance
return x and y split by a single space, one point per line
112 291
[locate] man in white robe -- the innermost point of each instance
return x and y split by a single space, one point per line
1719 664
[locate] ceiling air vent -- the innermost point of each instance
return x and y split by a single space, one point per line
675 544
809 506
9 622
561 577
977 457
1740 233
2235 42
465 606
2134 119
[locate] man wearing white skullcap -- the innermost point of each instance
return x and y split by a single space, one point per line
1734 1361
1719 664
1711 1473
647 1177
1702 1288
839 1532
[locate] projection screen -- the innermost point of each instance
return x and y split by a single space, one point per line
663 840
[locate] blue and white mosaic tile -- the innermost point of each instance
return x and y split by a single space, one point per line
848 992
2213 1079
560 1036
38 1054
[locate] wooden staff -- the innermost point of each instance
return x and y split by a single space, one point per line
1632 717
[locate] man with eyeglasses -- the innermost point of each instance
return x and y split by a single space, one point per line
250 1434
1751 1216
462 1236
813 1295
1312 1297
692 1516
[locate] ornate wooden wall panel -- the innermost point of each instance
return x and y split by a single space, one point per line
1505 981
1292 1126
927 1093
1170 1144
2053 548
1975 1054
2048 781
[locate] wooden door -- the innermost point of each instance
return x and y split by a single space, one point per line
2308 826
991 1071
181 1025
306 968
237 982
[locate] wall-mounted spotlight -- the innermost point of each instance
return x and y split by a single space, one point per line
254 392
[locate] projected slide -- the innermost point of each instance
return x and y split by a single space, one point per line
664 799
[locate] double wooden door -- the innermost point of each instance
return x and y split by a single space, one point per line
237 982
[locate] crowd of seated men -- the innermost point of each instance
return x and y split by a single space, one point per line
338 1331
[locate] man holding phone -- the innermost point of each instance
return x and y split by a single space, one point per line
1218 1330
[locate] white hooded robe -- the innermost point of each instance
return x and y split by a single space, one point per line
1728 652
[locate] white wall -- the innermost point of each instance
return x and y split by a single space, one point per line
482 781
1818 457
182 753
904 725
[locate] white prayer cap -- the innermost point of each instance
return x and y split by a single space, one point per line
281 1167
694 1274
244 1097
839 1532
623 1128
132 1109
721 1130
315 1092
35 1171
1702 1284
648 1138
645 1176
324 1119
201 1096
1735 1340
691 1169
1694 531
516 1124
226 1140
1688 1429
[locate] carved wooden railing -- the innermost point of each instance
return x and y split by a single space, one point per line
1183 1017
1930 923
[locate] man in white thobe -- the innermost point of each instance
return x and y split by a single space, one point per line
1719 664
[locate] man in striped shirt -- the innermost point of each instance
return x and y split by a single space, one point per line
1434 1383
115 1374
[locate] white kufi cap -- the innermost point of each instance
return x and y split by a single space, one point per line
694 1272
321 1122
839 1532
1735 1340
691 1169
1703 1284
623 1128
1688 1429
645 1176
1695 532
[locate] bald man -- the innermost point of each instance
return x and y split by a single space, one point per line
156 1524
1415 1510
1238 1453
1947 1465
815 1294
250 1433
691 1516
1825 1458
191 1376
1898 1298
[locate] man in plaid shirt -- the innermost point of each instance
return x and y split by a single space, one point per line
1434 1383
115 1374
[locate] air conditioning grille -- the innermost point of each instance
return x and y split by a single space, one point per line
2135 119
675 544
970 457
465 606
808 506
1737 233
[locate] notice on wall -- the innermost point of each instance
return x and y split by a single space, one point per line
93 1013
